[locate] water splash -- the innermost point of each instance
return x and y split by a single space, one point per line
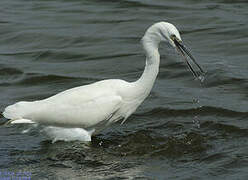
201 78
196 122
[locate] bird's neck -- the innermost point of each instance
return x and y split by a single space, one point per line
146 81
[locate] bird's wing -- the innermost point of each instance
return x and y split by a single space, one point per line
83 115
84 107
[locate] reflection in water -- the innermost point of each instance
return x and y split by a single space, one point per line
67 134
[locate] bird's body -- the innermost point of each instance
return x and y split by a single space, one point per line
91 106
85 106
96 105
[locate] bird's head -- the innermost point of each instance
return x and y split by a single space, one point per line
167 32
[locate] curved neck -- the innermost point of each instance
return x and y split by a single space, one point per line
146 81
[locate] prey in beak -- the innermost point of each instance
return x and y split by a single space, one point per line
181 48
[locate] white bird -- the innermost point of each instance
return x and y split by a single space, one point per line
94 106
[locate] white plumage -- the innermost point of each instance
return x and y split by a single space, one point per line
96 105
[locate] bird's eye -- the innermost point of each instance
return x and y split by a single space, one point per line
173 37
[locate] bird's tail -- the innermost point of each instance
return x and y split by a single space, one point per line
16 112
19 121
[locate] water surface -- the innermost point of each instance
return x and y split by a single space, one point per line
184 129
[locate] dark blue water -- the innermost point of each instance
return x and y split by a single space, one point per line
184 129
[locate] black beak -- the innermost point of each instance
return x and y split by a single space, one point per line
181 48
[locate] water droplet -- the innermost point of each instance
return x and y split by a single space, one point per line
201 78
196 122
196 100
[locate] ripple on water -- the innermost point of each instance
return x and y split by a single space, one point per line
146 143
8 75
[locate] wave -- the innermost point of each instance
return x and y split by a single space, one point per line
146 142
9 71
224 129
37 78
34 78
63 56
201 110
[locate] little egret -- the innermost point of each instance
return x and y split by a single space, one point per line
95 106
